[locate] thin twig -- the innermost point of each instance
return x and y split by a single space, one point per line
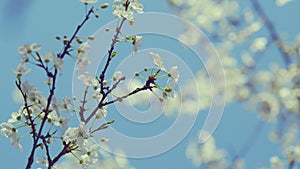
102 75
248 144
273 33
82 109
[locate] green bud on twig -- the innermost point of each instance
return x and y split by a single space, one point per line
113 54
110 122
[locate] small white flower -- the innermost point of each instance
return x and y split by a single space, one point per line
89 1
27 49
63 122
43 161
174 73
77 135
97 95
90 155
276 163
101 113
117 76
206 153
82 57
49 55
22 69
137 41
70 135
58 121
32 93
23 49
35 47
68 104
282 2
137 6
11 132
87 78
58 63
259 44
56 106
121 11
157 61
15 116
268 105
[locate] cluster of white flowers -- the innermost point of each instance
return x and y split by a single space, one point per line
108 161
39 112
126 8
82 57
206 154
272 92
11 132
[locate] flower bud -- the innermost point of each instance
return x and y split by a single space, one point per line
105 5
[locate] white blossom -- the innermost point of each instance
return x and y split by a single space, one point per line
22 69
82 57
157 61
267 104
117 76
70 135
282 2
67 104
90 155
206 153
11 132
16 116
58 63
87 79
57 120
121 11
174 73
137 41
276 163
32 93
49 55
27 49
77 135
259 44
101 113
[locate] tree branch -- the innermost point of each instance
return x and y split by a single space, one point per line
273 33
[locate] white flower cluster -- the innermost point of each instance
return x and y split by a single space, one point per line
206 154
126 8
11 132
108 161
241 41
45 117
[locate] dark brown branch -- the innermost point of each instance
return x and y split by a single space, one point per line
47 150
102 75
68 44
145 87
52 91
115 85
66 149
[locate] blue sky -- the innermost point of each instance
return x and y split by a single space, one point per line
40 21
